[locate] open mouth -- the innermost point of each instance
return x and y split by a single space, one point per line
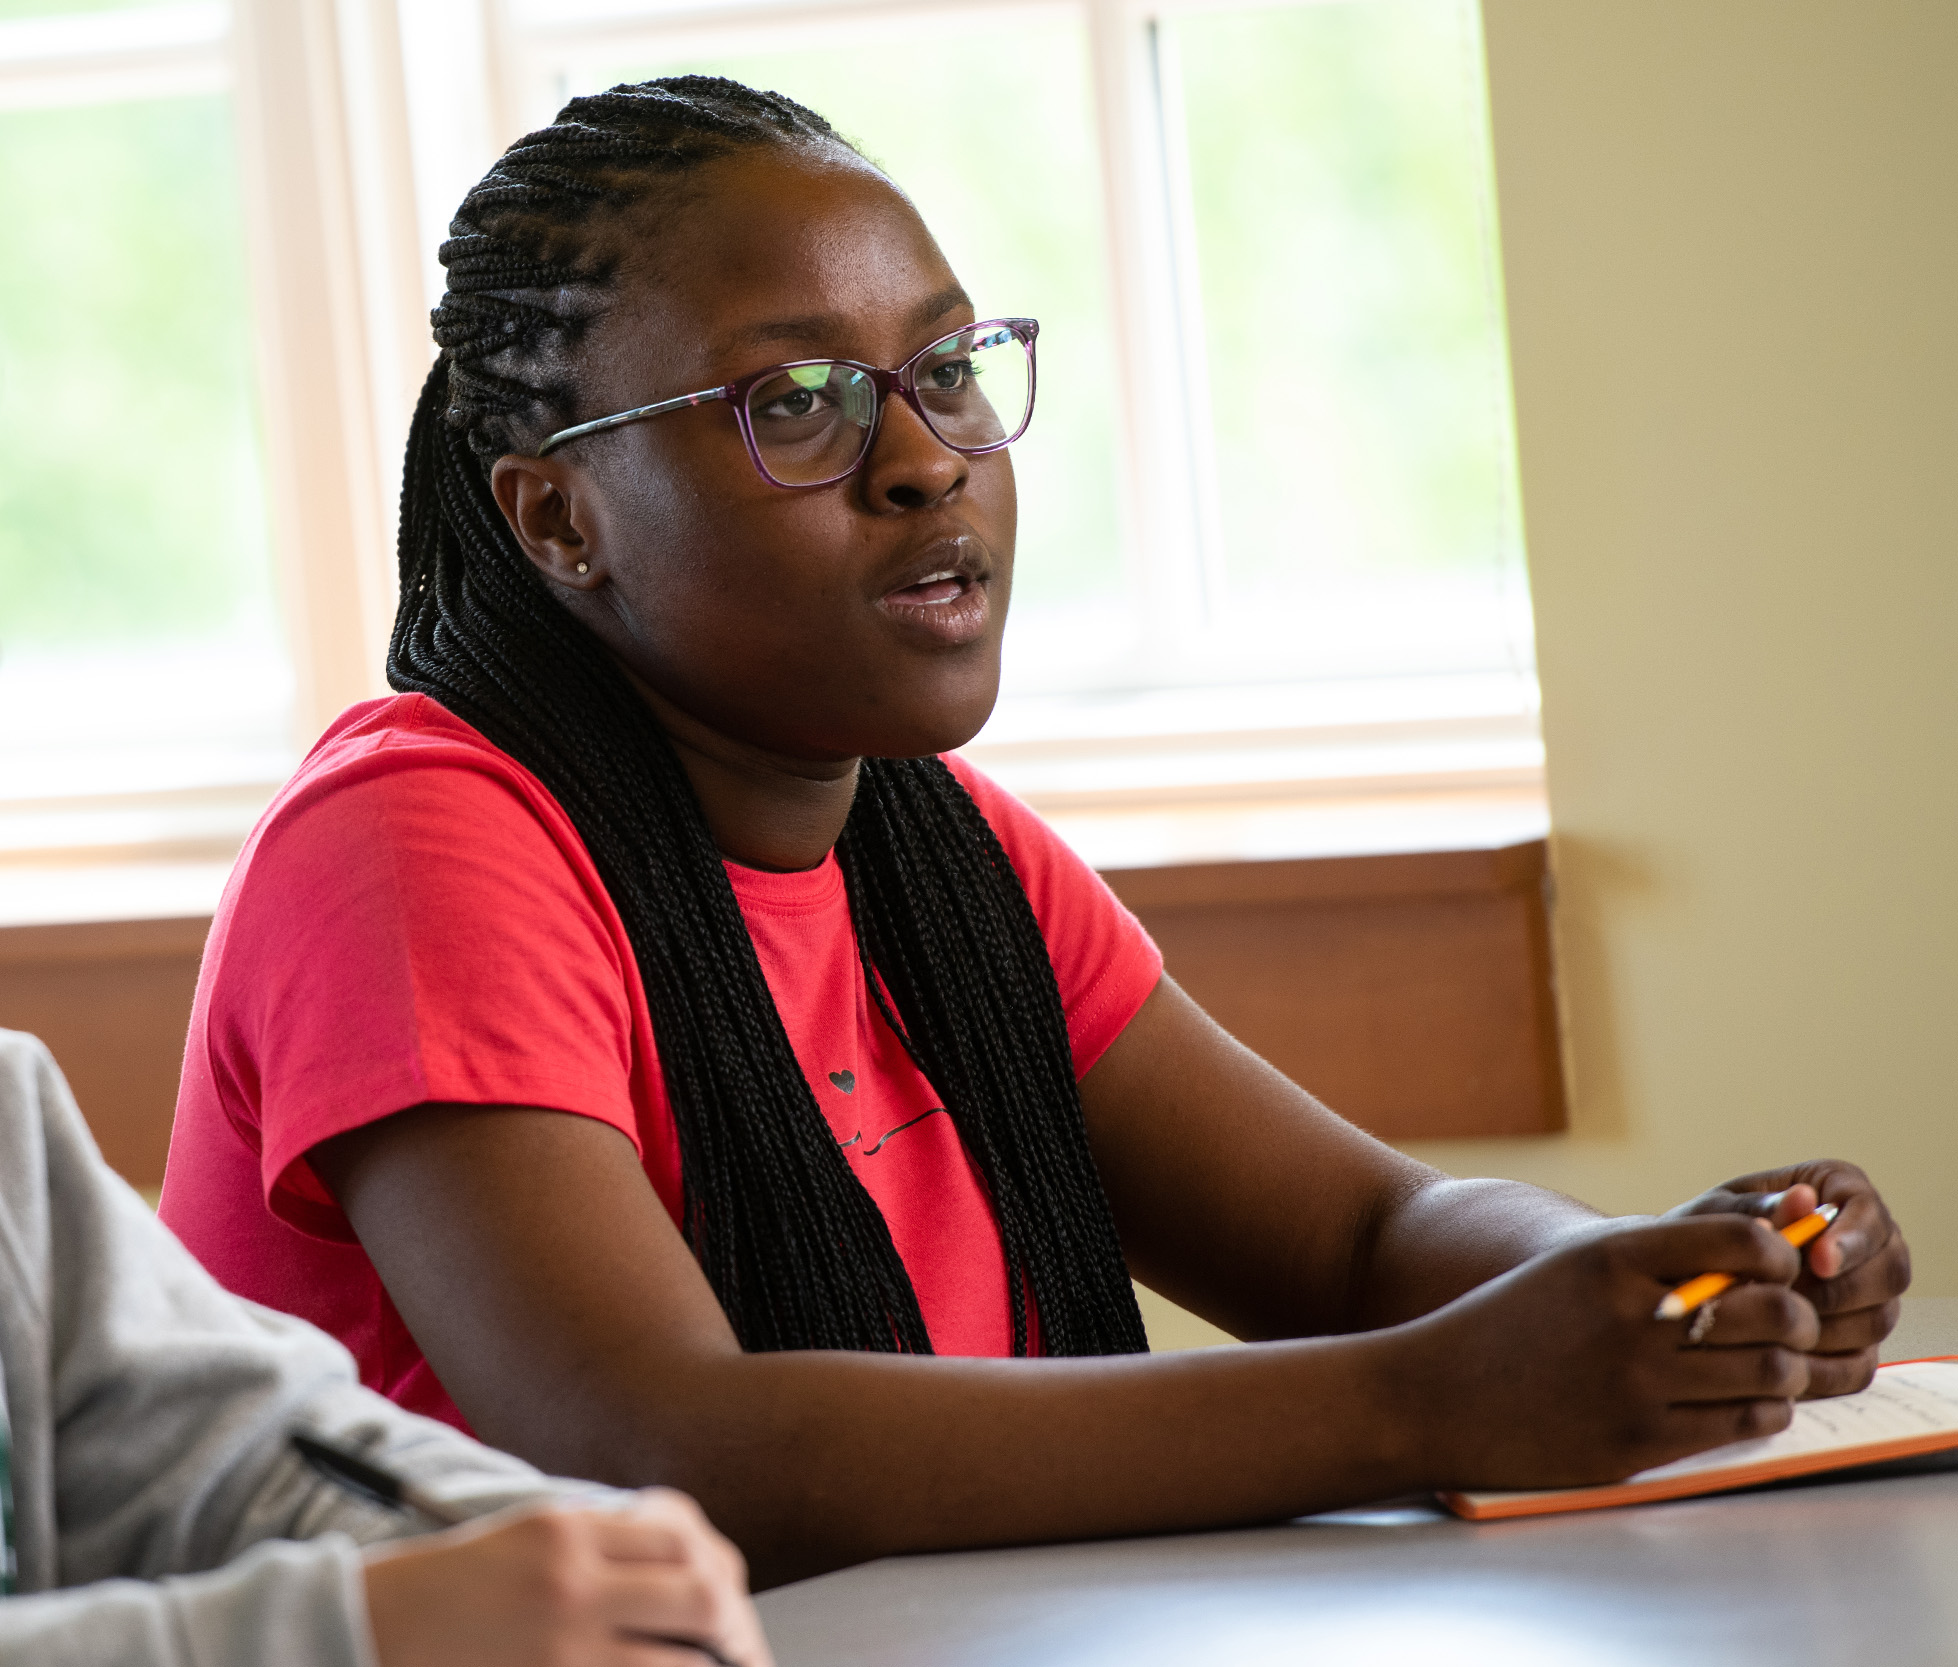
947 600
933 590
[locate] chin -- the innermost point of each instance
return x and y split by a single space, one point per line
941 725
965 714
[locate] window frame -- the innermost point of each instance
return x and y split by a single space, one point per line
362 122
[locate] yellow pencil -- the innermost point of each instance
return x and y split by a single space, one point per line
1697 1292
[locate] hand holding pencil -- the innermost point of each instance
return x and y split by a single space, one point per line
1855 1267
1682 1300
1556 1374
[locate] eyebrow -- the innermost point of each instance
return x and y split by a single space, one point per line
814 327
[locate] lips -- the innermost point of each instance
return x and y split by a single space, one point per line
942 594
946 585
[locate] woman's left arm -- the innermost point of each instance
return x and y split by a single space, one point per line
1241 1197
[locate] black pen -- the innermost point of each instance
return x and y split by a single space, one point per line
366 1480
363 1478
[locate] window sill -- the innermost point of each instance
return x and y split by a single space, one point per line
123 856
175 877
1250 774
1131 780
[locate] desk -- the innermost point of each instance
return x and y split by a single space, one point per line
1843 1572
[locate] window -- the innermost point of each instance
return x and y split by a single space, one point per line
143 670
1270 595
189 476
1338 289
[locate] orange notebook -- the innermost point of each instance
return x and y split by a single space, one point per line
1911 1409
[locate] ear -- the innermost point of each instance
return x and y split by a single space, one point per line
541 498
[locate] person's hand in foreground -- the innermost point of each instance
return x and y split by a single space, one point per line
566 1586
1852 1275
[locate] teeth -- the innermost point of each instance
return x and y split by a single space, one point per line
934 578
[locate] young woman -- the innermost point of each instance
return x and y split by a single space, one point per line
639 1042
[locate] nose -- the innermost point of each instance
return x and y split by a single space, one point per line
909 467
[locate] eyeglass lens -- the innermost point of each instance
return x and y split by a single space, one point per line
812 423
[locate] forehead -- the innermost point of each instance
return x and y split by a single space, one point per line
774 254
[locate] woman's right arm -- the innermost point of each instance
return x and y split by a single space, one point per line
561 1309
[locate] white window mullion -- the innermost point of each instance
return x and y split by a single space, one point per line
331 525
457 123
1148 370
388 242
1206 553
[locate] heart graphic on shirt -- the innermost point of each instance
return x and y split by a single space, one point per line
845 1080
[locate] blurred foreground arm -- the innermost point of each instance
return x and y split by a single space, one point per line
155 1499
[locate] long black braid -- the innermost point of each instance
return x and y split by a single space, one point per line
797 1252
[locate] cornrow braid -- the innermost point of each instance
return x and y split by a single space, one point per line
795 1249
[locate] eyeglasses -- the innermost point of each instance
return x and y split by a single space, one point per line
812 422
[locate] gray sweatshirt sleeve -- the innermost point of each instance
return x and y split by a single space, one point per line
155 1496
280 1602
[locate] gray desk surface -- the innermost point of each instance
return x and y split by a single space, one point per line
1833 1573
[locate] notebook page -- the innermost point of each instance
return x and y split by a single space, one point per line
1918 1398
1904 1401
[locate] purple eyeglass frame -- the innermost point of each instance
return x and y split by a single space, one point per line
903 382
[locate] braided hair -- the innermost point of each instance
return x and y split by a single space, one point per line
795 1249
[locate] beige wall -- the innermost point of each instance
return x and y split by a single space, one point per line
1731 242
1730 237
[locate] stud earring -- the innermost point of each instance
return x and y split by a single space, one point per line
584 567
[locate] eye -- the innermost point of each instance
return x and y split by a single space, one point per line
950 375
798 402
802 391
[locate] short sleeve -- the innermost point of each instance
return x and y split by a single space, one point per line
409 929
1104 962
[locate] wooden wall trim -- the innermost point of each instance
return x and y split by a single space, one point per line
1505 868
112 1001
104 940
1412 993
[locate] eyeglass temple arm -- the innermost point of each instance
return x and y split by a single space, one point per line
618 419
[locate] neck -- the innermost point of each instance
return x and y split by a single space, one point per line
765 810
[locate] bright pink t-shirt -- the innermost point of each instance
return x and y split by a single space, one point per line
415 919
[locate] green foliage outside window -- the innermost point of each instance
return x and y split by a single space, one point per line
1342 194
131 502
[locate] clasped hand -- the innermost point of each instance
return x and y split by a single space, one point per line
1557 1373
1852 1276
